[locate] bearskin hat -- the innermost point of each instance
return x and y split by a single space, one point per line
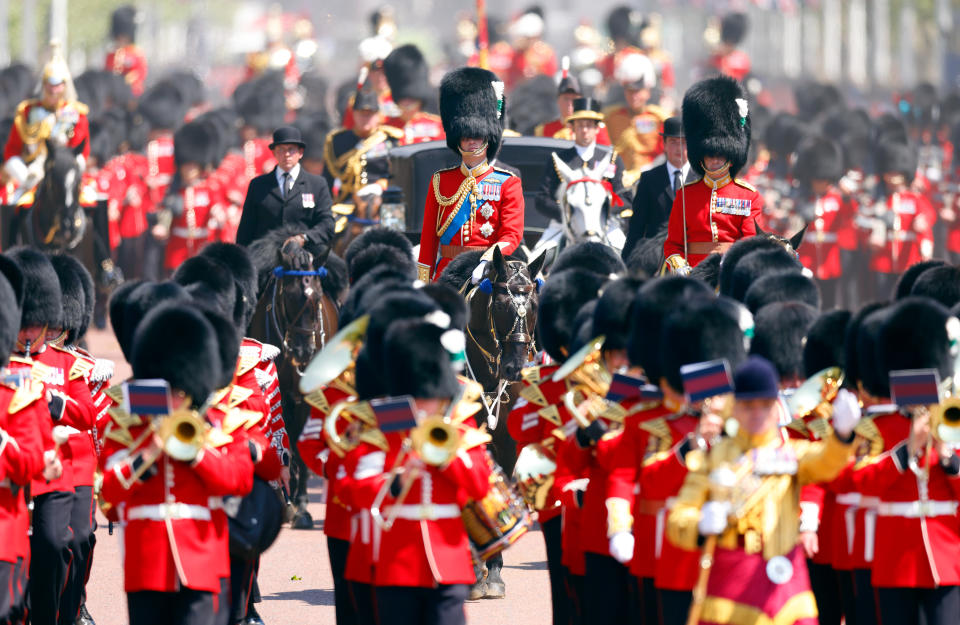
874 377
176 343
136 304
450 301
418 354
733 28
195 142
761 263
915 336
624 23
471 106
162 106
378 234
844 122
857 151
208 280
907 279
123 23
11 271
611 318
818 158
117 306
716 122
738 251
654 301
779 329
407 74
371 381
698 331
784 133
562 296
228 344
261 103
377 254
591 256
896 157
889 127
371 288
823 346
9 320
77 288
708 270
782 287
939 283
815 100
43 300
851 358
925 109
236 260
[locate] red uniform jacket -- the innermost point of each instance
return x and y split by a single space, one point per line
175 531
160 166
130 62
831 230
427 545
818 502
257 158
191 229
83 445
23 416
80 133
559 129
258 357
911 239
724 215
421 128
593 521
735 64
497 216
570 479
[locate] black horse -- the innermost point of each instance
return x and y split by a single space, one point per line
58 222
296 311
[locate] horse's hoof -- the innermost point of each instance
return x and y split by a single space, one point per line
478 591
302 521
495 590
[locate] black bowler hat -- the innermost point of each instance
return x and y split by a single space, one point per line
366 100
287 135
586 108
672 127
756 378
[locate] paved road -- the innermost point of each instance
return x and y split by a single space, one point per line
295 575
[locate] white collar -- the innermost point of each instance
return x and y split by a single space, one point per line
683 171
586 153
294 172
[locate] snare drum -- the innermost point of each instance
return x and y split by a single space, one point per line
499 519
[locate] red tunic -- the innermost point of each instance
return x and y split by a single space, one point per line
79 133
190 230
259 356
559 129
160 166
421 128
130 62
735 64
831 230
910 240
722 216
496 218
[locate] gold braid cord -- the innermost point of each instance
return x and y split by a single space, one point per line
467 187
348 167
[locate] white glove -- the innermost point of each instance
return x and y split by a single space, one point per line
846 413
16 169
713 518
621 547
478 272
370 189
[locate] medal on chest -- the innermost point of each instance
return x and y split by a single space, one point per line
733 206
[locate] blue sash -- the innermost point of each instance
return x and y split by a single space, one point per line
490 190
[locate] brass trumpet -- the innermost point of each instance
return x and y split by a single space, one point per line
945 421
435 441
182 434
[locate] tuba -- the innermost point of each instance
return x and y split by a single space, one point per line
336 357
533 474
819 389
588 379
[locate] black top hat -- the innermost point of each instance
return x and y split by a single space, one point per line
287 135
365 100
672 127
586 108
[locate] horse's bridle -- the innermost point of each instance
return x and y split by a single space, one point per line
313 300
519 296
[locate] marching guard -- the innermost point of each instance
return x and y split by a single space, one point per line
476 205
409 79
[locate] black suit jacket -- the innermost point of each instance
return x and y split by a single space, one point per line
264 209
651 206
546 194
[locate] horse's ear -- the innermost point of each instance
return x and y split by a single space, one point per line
759 229
77 151
602 166
536 265
499 265
797 239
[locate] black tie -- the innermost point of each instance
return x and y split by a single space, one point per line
285 188
676 180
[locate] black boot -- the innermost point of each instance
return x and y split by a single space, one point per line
83 617
252 617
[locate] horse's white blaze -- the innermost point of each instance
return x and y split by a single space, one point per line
69 183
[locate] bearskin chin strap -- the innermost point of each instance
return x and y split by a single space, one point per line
481 150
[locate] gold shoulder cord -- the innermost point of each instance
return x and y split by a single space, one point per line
468 185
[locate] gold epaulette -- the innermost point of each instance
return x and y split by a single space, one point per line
464 410
115 393
504 171
820 427
473 437
539 130
80 107
26 394
643 406
318 400
868 430
509 132
40 372
610 110
247 360
551 414
80 369
392 131
119 428
743 183
613 412
237 418
374 437
238 395
657 427
657 111
798 426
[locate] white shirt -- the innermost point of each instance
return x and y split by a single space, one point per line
683 172
586 153
293 178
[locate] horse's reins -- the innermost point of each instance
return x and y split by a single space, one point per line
291 324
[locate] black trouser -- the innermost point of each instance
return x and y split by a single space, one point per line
865 597
81 548
364 602
13 591
50 555
130 256
831 294
674 605
848 596
912 606
574 584
337 550
886 284
826 590
154 252
645 601
554 544
401 605
606 592
241 586
184 607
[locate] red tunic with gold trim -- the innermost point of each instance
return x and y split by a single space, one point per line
831 230
160 166
190 229
715 215
910 239
33 124
258 357
23 414
469 211
635 136
572 463
130 62
559 129
257 157
421 128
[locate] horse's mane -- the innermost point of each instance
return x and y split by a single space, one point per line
647 255
460 269
265 254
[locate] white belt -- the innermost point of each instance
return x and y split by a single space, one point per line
72 430
849 499
870 502
661 525
821 237
187 233
174 511
917 509
424 512
901 235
